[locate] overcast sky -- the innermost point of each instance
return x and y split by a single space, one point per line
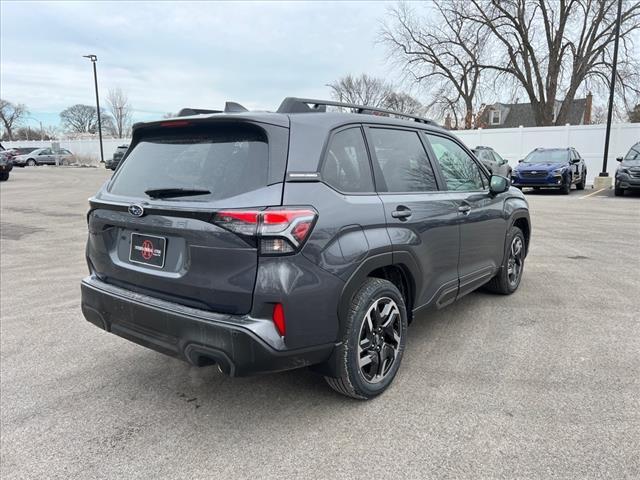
168 55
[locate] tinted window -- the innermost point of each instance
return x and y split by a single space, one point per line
403 161
484 155
227 161
459 170
346 166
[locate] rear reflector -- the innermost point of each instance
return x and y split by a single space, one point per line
278 319
281 231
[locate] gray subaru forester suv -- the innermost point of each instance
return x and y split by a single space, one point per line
264 242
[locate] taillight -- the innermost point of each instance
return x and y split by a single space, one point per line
175 123
279 231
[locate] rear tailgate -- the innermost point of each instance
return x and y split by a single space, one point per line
166 245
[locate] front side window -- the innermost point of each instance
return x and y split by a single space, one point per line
458 168
403 161
346 165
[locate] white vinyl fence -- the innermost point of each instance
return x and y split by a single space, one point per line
512 143
515 143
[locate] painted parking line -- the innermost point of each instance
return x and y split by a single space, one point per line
593 193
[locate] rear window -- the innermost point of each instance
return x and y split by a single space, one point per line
226 161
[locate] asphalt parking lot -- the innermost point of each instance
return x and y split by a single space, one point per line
542 384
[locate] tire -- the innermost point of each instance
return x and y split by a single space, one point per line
4 176
504 282
32 163
566 188
618 192
583 181
365 339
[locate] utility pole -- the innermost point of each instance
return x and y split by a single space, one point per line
94 59
604 173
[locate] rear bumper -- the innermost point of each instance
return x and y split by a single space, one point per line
199 337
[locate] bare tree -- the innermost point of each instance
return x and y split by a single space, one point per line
442 52
362 90
405 103
84 119
11 115
634 114
120 110
552 47
374 92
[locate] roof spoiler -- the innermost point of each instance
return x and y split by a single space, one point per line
229 107
309 105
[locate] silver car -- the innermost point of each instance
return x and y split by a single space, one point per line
42 156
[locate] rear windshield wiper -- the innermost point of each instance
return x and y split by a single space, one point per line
175 192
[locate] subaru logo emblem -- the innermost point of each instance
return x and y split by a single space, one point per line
532 171
136 210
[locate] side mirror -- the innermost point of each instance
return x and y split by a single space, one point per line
575 160
521 160
619 159
498 184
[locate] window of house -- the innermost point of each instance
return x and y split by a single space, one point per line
495 117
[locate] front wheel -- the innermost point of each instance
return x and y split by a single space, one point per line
566 188
373 341
618 192
508 278
31 162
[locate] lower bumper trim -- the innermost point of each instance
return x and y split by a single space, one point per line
200 341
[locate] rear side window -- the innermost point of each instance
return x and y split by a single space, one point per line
226 161
458 168
346 165
403 161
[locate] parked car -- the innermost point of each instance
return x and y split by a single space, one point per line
242 240
628 172
5 166
113 162
551 168
43 156
14 152
493 161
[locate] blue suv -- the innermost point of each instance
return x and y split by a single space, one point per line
551 168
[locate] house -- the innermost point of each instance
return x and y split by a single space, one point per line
513 115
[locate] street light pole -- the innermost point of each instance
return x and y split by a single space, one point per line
94 59
611 92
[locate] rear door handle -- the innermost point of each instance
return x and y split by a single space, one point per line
401 212
465 209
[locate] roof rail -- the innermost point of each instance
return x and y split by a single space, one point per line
308 105
229 107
